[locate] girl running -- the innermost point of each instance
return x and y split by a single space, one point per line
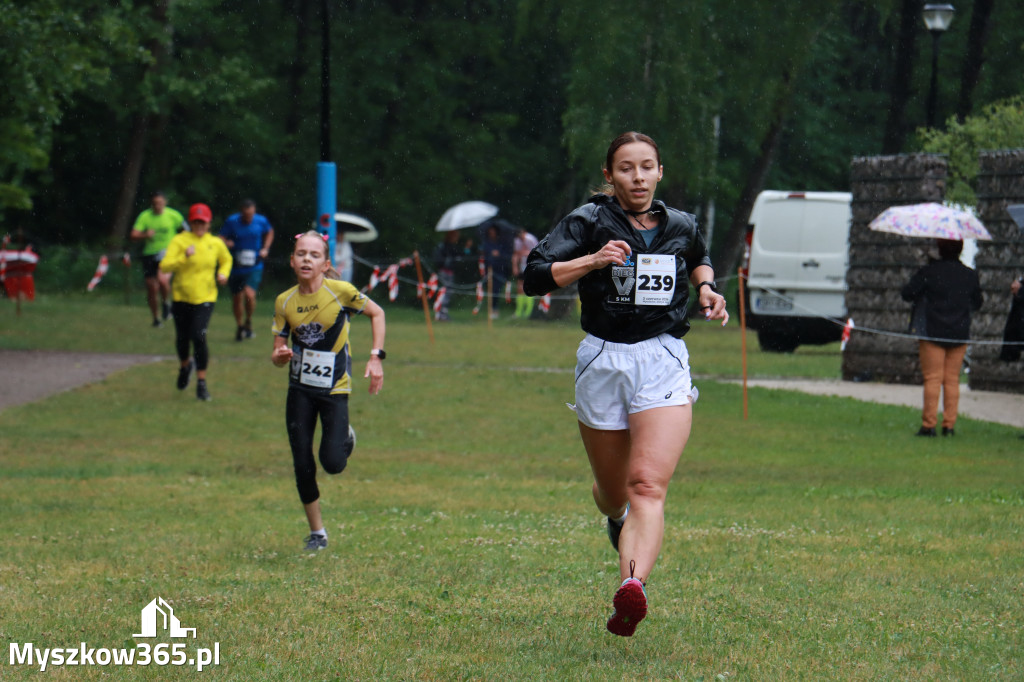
315 313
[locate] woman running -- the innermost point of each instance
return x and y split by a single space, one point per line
199 262
315 313
632 257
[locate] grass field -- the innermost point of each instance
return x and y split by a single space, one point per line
817 540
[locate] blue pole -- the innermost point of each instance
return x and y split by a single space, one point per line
327 203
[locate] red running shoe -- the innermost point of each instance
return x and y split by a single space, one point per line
630 602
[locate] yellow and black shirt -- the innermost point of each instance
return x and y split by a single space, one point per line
318 324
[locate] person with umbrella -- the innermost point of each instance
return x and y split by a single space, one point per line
633 258
449 252
447 256
496 254
944 293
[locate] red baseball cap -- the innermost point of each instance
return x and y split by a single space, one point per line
200 212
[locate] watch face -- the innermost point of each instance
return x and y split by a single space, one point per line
381 354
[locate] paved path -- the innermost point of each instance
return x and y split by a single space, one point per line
1002 408
30 375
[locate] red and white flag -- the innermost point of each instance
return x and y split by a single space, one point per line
374 278
439 301
393 283
101 270
479 297
846 333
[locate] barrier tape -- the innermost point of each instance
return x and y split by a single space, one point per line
476 289
848 324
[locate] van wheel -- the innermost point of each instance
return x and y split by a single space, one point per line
776 342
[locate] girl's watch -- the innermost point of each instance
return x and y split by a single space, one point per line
379 352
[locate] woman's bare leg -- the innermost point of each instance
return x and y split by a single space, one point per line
635 466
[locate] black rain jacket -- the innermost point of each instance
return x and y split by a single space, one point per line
944 293
589 228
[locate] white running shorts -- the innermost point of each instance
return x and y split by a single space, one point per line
615 380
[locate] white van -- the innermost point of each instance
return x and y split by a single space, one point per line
796 267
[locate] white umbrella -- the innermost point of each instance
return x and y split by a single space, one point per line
357 229
466 214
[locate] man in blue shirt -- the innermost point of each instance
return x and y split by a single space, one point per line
249 236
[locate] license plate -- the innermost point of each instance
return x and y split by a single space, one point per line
772 303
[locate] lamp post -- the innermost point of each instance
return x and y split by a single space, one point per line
937 19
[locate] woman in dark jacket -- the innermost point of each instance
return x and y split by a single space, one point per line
633 259
944 293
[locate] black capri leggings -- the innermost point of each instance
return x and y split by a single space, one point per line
301 411
190 323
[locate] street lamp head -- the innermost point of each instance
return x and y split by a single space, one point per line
938 17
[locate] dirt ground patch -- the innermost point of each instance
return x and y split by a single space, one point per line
29 375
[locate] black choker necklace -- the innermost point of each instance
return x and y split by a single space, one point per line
636 215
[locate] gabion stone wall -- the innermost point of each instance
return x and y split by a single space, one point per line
881 263
1000 183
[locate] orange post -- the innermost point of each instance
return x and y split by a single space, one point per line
423 295
743 340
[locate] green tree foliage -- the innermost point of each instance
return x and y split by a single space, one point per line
999 125
443 105
509 101
49 53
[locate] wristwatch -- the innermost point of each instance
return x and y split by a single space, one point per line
707 284
379 352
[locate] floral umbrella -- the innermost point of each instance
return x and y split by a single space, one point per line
931 220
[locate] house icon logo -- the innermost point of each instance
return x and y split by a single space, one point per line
158 614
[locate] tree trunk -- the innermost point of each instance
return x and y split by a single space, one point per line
137 147
899 91
129 182
728 256
977 36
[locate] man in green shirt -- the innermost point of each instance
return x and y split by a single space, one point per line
154 228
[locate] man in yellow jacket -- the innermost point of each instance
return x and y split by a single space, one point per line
200 262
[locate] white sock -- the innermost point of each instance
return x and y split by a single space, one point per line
622 519
322 532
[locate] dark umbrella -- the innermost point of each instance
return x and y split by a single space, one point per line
1016 212
506 231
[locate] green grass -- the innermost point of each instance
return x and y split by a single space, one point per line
817 540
